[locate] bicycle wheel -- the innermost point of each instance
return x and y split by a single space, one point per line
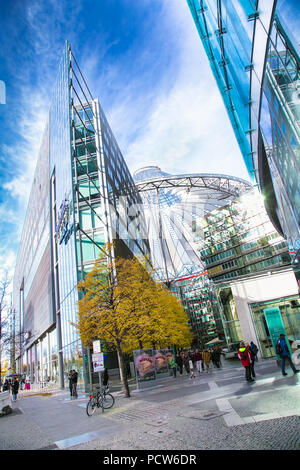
91 407
108 401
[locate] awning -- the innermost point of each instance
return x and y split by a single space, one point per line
215 341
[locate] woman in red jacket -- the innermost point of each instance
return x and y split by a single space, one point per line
245 357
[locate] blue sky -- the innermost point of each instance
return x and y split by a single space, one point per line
143 60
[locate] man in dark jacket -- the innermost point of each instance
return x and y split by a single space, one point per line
283 351
74 383
197 359
6 386
185 358
70 382
105 378
218 357
179 362
15 389
252 360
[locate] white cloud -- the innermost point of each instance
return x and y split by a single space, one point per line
182 127
31 124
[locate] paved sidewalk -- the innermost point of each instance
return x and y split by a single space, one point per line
218 410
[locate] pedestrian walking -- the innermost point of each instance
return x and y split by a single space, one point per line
70 382
244 356
198 360
186 362
105 378
74 383
206 359
179 362
217 354
283 351
5 387
15 389
22 381
192 376
252 360
213 357
173 366
254 350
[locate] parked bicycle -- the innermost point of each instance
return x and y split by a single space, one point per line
100 399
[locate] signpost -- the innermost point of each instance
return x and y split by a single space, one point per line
98 363
97 346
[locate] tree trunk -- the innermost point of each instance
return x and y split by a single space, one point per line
123 372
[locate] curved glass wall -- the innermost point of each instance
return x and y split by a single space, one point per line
253 49
280 124
239 239
226 29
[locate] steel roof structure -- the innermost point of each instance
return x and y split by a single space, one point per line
171 204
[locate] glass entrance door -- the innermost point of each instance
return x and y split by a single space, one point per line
289 313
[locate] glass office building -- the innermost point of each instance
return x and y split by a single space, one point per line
239 239
247 261
199 300
253 49
82 197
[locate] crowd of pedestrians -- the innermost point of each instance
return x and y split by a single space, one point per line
195 362
192 362
13 386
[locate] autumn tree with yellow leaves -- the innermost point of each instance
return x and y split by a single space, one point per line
123 305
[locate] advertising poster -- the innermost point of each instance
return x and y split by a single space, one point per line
161 362
98 362
144 365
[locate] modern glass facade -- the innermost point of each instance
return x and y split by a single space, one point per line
33 305
89 199
253 49
289 309
198 298
239 239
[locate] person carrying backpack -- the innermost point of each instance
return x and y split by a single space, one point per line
245 357
254 350
283 351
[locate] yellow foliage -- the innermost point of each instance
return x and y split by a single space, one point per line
122 304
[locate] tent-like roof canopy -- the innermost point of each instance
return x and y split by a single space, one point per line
171 205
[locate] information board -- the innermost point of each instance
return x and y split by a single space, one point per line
98 362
